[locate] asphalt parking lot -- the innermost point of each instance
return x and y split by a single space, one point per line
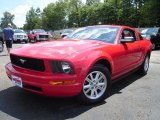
133 98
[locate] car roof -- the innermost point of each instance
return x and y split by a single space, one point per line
18 29
117 26
113 25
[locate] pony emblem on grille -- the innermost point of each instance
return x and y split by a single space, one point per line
22 61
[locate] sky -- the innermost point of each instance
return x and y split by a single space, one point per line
20 7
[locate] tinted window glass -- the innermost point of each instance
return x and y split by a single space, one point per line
127 33
159 30
19 31
38 31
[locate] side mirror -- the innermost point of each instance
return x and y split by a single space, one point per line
127 40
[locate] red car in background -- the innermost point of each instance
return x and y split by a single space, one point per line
38 35
84 64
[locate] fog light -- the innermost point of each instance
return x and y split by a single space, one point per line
55 83
68 82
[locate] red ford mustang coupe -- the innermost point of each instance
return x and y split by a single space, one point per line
83 64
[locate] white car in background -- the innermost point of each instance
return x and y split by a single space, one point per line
20 36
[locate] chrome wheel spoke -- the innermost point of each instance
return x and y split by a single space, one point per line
89 80
95 91
92 93
88 90
87 86
100 88
97 77
100 78
91 75
101 84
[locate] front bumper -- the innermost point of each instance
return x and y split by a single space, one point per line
42 37
39 82
20 40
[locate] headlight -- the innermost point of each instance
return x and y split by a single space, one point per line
37 37
66 67
61 67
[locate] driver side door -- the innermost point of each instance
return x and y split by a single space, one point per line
128 53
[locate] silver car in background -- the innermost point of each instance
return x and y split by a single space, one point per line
20 36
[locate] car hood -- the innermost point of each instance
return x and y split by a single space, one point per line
20 34
58 49
41 34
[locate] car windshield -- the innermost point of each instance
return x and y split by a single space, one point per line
144 31
151 31
100 33
67 31
19 31
38 31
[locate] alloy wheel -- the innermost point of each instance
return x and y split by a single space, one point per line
146 64
95 85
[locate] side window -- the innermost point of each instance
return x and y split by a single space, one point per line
127 33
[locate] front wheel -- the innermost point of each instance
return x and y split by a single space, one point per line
96 86
29 40
26 41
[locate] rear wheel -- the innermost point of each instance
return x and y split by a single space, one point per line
144 68
96 86
35 39
26 41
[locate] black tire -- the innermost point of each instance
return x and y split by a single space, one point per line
35 39
94 89
1 46
26 41
145 66
29 40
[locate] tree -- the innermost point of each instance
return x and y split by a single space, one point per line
7 19
33 19
53 16
150 13
74 13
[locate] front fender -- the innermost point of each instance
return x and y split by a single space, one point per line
92 59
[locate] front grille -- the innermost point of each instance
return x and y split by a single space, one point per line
28 63
19 36
38 89
43 36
